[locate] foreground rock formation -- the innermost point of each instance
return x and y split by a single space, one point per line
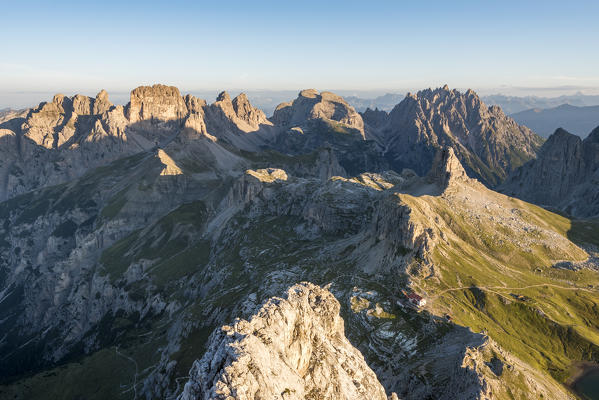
293 348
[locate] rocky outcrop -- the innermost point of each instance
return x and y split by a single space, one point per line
157 102
253 116
374 118
235 115
447 169
564 175
487 142
311 105
82 105
101 103
293 348
45 124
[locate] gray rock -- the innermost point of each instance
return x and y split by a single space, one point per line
293 348
564 175
487 142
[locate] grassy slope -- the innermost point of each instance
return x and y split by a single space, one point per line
545 316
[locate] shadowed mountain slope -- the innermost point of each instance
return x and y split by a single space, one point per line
488 143
565 175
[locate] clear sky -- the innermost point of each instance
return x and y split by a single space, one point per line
83 46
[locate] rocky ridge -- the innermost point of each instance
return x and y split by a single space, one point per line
292 348
310 104
64 138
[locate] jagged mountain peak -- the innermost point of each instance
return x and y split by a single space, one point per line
445 95
248 113
102 94
561 141
223 96
447 168
293 348
488 143
593 136
375 118
239 111
101 103
561 132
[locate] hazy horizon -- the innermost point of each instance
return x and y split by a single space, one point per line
28 99
513 47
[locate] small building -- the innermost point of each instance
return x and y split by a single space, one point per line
416 300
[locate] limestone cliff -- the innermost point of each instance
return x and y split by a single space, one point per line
157 102
313 105
292 348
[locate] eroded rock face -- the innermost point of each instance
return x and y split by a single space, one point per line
447 169
311 105
487 142
292 348
159 102
237 114
564 175
245 111
101 103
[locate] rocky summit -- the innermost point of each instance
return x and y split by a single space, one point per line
293 348
174 247
487 142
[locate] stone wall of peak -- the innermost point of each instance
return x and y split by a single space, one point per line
195 105
488 143
246 112
82 105
53 124
564 175
236 115
61 140
310 105
293 348
374 118
101 103
157 102
447 169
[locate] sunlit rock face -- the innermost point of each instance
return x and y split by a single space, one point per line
292 348
310 104
157 102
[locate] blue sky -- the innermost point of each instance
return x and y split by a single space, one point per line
82 46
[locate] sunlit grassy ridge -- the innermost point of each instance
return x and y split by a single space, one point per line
495 278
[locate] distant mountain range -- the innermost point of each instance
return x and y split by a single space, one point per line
515 104
577 120
385 102
509 104
132 237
